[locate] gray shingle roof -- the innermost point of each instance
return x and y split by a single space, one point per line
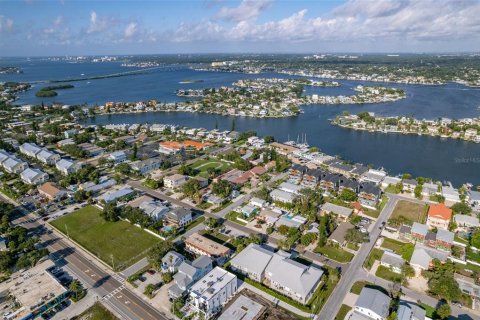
374 300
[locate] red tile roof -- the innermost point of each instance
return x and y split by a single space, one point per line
440 211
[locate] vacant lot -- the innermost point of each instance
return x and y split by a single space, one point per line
393 245
96 312
407 212
124 242
334 253
202 167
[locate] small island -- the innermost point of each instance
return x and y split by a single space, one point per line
467 129
48 92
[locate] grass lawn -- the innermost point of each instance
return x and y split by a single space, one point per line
409 212
96 312
393 245
430 310
385 273
342 312
375 254
125 242
202 166
337 254
233 215
358 286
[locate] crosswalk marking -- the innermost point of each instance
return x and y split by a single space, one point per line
118 277
113 293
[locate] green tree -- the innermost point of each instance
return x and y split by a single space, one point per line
222 188
475 238
443 311
123 168
156 254
191 188
111 212
348 195
268 139
355 236
167 277
407 251
461 208
418 191
76 288
308 238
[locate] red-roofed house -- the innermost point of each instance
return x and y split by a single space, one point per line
439 216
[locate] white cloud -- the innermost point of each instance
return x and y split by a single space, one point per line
130 30
99 24
246 10
6 24
354 20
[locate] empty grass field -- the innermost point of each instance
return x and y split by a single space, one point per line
393 245
202 166
387 274
120 240
334 253
408 212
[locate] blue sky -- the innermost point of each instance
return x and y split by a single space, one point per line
33 27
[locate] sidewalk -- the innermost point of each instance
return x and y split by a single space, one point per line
274 300
76 308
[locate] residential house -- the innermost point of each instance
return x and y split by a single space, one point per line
468 286
348 184
392 261
30 149
201 245
338 235
372 304
369 195
155 209
171 261
66 167
390 181
466 223
174 181
374 176
117 157
341 168
423 256
342 213
14 165
429 189
115 195
282 196
439 216
48 157
278 271
444 239
209 294
144 167
257 202
312 178
33 176
170 147
290 187
268 217
450 194
474 200
50 191
409 185
104 183
330 181
408 310
179 216
188 273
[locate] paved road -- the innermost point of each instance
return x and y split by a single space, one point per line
457 313
331 307
108 287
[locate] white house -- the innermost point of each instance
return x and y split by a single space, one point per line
30 149
372 304
212 292
146 166
48 157
66 166
14 165
174 181
171 261
117 157
33 176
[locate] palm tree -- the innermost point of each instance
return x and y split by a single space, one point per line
76 287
